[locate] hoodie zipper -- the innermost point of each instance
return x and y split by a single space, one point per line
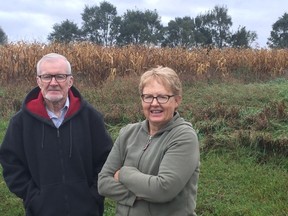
144 149
147 143
61 155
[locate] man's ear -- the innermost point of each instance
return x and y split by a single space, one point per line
38 80
71 80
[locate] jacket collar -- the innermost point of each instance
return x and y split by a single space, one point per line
35 102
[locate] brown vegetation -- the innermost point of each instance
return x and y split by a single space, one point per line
108 78
94 64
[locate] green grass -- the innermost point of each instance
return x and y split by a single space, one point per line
10 205
243 132
233 183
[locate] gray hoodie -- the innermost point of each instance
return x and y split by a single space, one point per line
158 175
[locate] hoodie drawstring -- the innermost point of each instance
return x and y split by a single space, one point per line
71 143
43 136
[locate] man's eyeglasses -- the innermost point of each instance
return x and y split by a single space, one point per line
58 77
161 99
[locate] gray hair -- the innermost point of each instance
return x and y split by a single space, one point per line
164 75
53 57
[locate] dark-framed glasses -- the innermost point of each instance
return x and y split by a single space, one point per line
58 77
161 99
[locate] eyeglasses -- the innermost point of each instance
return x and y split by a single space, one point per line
161 99
58 77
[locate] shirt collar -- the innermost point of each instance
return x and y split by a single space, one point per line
63 110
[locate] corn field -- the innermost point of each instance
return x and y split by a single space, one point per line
92 63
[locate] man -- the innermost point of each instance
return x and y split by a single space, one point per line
55 146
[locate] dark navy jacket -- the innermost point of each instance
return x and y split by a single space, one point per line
54 170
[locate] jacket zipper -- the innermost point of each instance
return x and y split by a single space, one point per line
144 149
63 172
147 143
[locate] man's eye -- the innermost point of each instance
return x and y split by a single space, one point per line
148 97
46 76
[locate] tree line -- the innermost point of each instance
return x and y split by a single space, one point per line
101 25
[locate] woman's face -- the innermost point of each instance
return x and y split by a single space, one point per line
159 114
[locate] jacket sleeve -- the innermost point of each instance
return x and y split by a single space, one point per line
107 186
15 170
181 160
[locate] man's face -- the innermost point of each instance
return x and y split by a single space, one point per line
54 91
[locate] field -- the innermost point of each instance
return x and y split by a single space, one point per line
237 101
96 64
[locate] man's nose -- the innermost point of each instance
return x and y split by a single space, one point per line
53 80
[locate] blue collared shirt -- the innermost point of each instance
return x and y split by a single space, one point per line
58 120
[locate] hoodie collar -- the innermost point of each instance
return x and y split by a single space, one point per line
175 121
35 102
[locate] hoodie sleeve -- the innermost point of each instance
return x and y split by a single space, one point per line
107 186
15 170
178 164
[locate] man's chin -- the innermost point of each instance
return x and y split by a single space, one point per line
54 99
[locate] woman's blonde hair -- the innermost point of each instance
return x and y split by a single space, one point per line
164 75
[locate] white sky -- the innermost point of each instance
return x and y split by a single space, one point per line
33 20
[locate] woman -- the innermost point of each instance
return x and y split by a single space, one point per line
153 168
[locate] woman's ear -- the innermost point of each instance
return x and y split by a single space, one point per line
178 100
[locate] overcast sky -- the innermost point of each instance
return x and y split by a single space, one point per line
33 20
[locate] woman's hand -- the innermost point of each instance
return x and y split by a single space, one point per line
116 176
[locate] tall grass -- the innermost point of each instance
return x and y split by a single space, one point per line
238 175
94 64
